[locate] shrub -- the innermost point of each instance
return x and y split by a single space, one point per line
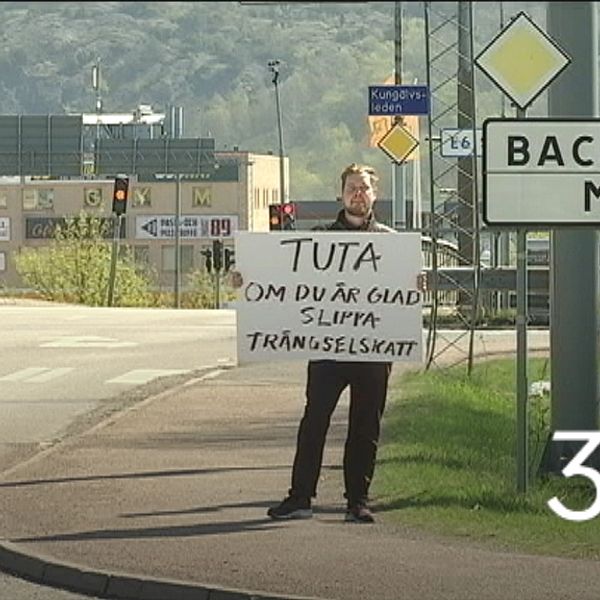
75 266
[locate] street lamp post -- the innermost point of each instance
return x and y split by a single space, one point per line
274 67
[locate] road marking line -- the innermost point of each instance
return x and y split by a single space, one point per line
24 374
51 374
139 376
36 374
87 341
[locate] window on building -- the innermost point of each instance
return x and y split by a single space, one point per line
46 199
4 229
275 196
38 199
201 196
265 198
187 258
92 197
3 200
2 261
256 198
142 197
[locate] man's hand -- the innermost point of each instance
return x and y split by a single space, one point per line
235 279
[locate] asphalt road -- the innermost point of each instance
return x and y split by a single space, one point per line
63 367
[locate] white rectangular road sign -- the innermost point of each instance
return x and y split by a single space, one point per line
161 227
329 295
541 172
458 142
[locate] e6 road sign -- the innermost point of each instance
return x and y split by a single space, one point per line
456 143
541 172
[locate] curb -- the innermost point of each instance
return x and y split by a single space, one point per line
119 586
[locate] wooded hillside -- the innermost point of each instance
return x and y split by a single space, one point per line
211 58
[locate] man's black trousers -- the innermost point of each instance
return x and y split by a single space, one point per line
368 389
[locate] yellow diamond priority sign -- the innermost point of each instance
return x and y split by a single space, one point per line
398 143
522 60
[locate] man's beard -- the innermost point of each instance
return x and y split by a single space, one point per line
358 209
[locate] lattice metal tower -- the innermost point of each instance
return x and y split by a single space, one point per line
453 215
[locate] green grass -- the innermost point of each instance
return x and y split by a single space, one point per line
447 463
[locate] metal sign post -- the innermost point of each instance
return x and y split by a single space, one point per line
522 61
522 382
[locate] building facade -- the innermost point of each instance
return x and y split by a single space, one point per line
235 198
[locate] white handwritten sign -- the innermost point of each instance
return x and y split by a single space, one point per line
329 295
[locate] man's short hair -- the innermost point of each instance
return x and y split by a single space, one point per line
356 168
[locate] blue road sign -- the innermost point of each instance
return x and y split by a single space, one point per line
390 100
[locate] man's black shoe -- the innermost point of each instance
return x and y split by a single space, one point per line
359 513
291 507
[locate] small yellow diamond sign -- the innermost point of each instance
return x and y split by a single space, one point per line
398 143
522 60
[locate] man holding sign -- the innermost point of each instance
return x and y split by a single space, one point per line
351 305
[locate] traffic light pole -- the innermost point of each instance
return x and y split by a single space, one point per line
113 258
177 290
217 289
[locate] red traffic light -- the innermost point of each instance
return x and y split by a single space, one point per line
282 217
288 216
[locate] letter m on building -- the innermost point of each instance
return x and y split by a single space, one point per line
202 196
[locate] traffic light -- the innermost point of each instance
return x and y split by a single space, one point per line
288 216
229 258
274 217
120 192
282 217
207 253
217 254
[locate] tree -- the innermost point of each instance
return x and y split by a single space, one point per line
75 266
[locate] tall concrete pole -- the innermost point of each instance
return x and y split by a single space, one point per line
574 273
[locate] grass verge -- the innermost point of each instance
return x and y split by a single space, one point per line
447 463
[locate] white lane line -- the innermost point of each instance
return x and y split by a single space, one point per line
139 376
50 375
36 374
24 374
86 341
